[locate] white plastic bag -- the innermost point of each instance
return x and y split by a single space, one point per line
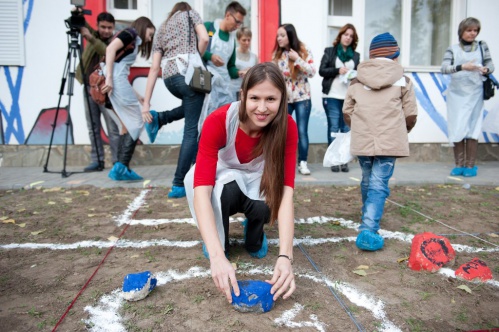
338 152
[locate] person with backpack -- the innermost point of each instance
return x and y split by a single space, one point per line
134 40
380 107
95 49
180 35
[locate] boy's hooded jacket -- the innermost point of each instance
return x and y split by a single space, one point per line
380 108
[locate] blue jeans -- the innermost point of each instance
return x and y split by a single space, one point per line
303 109
334 114
192 102
376 172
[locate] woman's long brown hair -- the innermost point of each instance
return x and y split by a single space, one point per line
295 44
355 39
140 25
272 143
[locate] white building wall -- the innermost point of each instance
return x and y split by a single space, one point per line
22 98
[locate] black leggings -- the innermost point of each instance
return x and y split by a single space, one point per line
234 201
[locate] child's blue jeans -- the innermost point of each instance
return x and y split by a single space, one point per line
376 172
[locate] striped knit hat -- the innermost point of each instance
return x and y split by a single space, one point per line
384 46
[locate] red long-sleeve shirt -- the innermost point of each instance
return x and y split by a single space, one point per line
214 137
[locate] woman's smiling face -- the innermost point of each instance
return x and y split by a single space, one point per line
262 104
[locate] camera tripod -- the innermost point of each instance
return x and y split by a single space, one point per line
74 51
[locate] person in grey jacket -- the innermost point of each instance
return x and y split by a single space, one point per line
380 108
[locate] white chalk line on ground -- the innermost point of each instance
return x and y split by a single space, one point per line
105 316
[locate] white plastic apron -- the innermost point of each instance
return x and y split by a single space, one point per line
465 98
123 98
241 65
221 92
247 176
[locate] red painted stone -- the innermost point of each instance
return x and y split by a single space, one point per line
430 252
475 268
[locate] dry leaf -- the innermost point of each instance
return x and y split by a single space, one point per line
9 221
134 256
4 218
318 190
146 182
52 189
35 183
38 232
36 212
113 238
360 272
465 288
22 225
493 235
67 200
21 210
452 301
91 215
307 200
354 179
51 203
497 188
83 192
92 209
169 201
175 205
454 178
362 267
403 259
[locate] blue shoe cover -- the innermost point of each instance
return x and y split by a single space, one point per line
177 192
153 127
254 296
117 172
369 241
136 286
457 171
265 247
469 172
130 175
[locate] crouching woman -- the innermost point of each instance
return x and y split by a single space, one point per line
246 164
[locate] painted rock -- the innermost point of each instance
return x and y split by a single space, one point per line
254 296
136 286
475 268
430 252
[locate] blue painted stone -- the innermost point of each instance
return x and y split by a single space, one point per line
135 285
254 296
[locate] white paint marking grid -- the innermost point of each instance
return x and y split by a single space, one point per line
105 316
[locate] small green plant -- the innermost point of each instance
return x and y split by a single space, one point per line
198 299
415 325
462 316
168 309
313 306
425 295
149 256
34 313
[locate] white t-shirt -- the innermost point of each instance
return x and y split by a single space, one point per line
338 88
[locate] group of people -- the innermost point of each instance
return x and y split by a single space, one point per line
244 157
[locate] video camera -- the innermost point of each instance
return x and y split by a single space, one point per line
77 19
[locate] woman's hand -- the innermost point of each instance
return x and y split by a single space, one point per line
343 70
283 280
471 66
221 271
484 70
108 86
293 55
146 115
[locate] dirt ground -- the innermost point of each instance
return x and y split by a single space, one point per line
53 240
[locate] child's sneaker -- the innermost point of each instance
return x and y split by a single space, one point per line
469 172
369 241
456 171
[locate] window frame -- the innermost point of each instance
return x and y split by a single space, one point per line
458 13
16 32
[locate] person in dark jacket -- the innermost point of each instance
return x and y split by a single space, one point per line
338 66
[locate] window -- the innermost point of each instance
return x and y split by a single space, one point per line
12 52
125 4
340 7
421 27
